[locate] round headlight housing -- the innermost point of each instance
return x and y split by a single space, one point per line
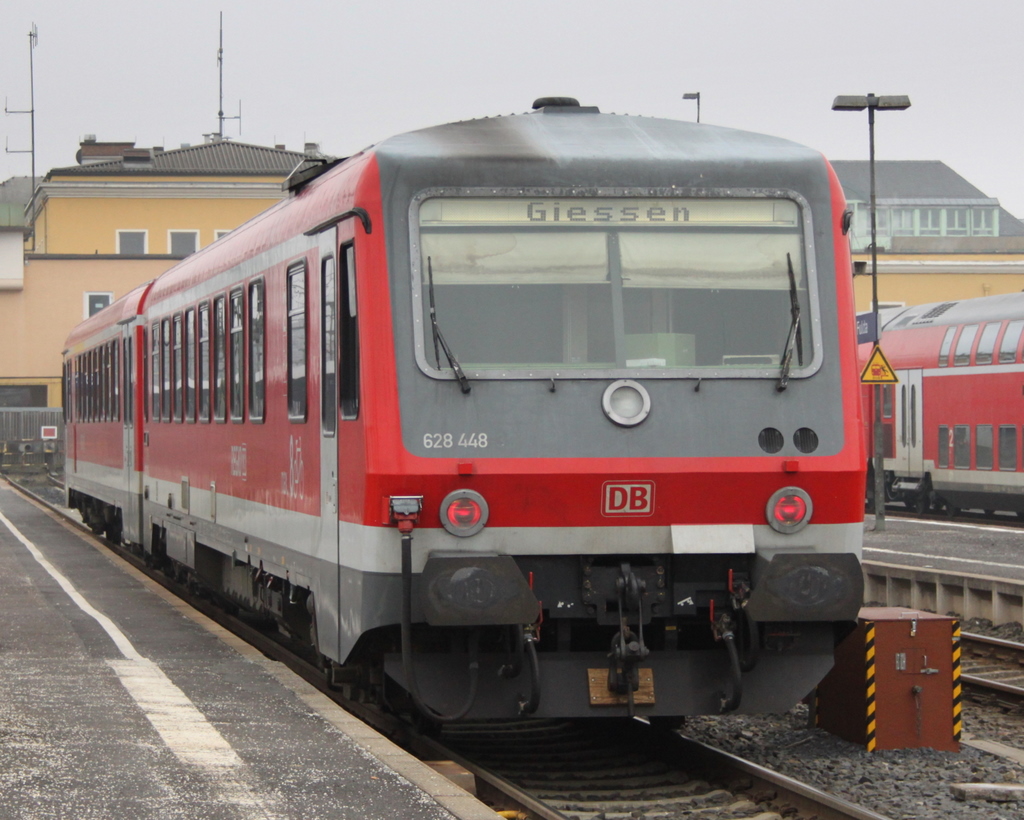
789 510
626 402
464 512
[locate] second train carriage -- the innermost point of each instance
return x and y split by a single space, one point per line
953 429
551 414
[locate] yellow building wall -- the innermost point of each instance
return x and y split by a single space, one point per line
35 322
87 226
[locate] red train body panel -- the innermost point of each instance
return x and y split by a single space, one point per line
643 435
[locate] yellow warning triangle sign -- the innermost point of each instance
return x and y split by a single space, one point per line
878 370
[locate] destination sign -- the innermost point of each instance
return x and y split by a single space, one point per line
626 211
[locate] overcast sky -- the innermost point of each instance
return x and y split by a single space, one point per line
346 75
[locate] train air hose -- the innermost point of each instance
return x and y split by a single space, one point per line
407 666
731 699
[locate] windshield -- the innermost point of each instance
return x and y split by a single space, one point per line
611 284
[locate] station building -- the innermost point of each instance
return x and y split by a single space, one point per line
939 237
89 233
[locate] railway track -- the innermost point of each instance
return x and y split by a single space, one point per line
554 770
993 671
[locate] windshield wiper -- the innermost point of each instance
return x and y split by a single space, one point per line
794 339
439 337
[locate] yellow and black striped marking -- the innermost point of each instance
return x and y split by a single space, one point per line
957 686
869 673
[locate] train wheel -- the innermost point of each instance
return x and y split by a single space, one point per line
921 503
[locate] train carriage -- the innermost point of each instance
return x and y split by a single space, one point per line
547 414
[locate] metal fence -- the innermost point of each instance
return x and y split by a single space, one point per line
32 437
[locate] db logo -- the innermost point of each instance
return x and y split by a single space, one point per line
635 498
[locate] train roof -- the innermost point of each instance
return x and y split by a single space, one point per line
117 312
574 138
958 312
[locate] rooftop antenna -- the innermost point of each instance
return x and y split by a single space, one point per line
33 38
220 71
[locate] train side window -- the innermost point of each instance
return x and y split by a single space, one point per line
983 447
987 343
115 383
962 447
152 374
943 451
328 347
237 342
103 356
190 365
165 367
1008 447
297 342
220 361
1010 342
962 356
204 362
348 336
257 353
179 370
947 343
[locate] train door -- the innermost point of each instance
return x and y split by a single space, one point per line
909 424
326 288
131 337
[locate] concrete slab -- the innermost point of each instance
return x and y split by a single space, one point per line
117 701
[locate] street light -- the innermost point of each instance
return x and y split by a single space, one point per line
873 103
694 96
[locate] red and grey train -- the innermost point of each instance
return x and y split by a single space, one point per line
552 414
953 429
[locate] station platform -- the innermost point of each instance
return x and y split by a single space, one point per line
117 700
985 547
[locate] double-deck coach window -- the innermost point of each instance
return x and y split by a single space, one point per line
297 342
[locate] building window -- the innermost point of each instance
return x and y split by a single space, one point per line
902 221
1008 447
983 222
132 243
930 221
218 234
943 453
956 222
963 346
962 447
983 447
987 343
182 243
1011 338
297 342
95 301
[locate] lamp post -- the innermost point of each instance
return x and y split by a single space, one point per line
873 103
694 96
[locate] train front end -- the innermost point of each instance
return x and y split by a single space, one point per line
627 474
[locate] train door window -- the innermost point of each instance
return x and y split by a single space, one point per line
190 365
103 359
257 352
297 342
947 343
964 344
983 447
329 347
1007 447
154 369
1011 340
943 450
962 447
220 361
887 396
987 343
237 342
165 368
904 415
115 383
204 362
348 333
128 380
179 369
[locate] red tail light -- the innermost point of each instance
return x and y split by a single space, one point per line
789 510
464 512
